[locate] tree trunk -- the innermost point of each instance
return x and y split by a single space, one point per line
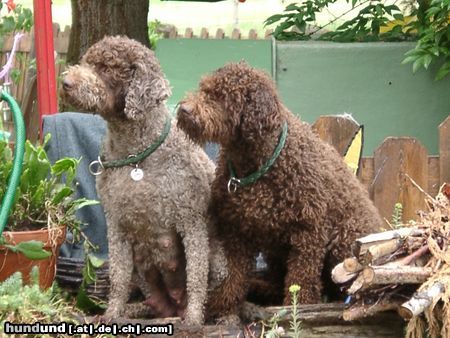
93 19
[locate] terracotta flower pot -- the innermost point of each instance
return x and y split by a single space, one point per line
10 262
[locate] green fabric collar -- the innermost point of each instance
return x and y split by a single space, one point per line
132 159
235 182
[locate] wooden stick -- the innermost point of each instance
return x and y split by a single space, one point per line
410 258
362 244
379 250
340 275
357 285
361 311
382 275
421 301
352 265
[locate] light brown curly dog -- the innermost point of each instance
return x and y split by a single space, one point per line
308 204
158 225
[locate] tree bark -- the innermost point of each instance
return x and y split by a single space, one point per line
93 19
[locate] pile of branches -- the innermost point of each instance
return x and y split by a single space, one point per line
406 269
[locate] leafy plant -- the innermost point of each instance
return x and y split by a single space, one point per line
21 303
397 216
275 330
428 23
44 194
295 323
18 18
365 26
84 302
433 31
153 33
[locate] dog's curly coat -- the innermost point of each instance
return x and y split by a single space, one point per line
158 226
308 205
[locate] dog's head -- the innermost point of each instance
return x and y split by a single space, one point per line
117 78
236 102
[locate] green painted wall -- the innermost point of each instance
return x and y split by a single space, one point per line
366 80
184 61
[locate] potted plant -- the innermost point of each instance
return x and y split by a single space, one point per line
43 209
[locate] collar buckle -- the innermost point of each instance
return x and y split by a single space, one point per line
96 168
233 184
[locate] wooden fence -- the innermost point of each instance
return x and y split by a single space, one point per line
400 171
399 166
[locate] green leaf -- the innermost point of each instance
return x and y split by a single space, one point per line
433 11
63 193
83 202
379 10
417 64
9 23
427 59
38 197
95 261
64 165
301 25
292 7
409 59
33 249
86 304
443 71
36 160
272 19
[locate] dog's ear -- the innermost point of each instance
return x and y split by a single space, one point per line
261 110
147 90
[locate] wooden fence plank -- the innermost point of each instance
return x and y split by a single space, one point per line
252 34
188 33
394 160
61 40
444 151
336 130
220 34
173 33
433 175
366 174
236 34
204 34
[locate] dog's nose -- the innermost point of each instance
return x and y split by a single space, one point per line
67 83
185 108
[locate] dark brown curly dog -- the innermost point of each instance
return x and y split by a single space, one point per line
308 203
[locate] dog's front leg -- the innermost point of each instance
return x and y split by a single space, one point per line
195 241
226 300
304 266
120 270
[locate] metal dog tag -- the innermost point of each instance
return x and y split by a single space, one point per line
137 174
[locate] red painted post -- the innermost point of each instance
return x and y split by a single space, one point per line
45 60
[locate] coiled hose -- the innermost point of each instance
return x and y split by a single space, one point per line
19 150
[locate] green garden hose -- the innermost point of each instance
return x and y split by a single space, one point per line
19 150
